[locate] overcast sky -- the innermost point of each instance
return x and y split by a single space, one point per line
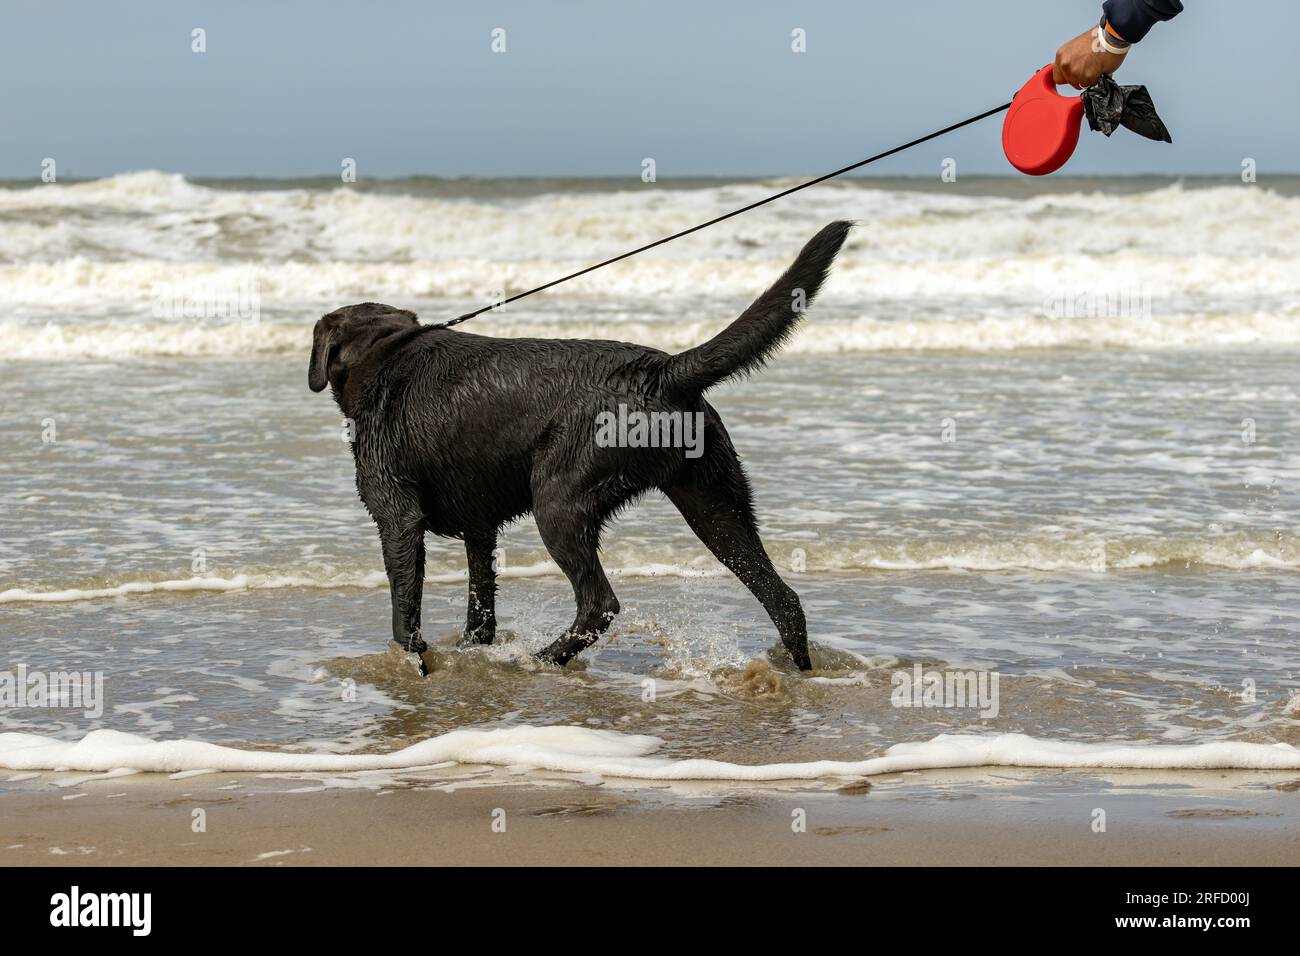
591 87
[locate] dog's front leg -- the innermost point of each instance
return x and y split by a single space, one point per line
402 540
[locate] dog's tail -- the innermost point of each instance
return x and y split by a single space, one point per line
746 344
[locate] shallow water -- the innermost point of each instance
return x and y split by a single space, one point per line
952 473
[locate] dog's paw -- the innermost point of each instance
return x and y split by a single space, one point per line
475 639
782 659
569 662
550 659
411 659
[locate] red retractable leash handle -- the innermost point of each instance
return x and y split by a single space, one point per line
1041 129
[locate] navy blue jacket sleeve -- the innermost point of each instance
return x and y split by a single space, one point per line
1131 19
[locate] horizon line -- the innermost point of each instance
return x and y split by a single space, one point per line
611 177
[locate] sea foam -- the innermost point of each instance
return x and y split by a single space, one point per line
1069 553
609 753
119 339
81 265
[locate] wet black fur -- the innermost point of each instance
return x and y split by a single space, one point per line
459 434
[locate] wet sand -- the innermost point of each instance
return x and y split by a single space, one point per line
454 816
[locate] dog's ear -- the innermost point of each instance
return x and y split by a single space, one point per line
345 336
324 343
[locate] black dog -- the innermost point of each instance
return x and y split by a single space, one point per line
459 434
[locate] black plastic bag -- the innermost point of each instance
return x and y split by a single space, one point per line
1109 105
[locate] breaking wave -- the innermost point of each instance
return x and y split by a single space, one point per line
1082 554
116 340
83 266
163 216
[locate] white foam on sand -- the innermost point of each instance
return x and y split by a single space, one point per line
608 753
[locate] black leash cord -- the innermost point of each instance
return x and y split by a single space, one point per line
735 212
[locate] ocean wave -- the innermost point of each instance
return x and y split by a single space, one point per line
149 263
157 214
1051 284
56 341
608 753
324 580
1076 554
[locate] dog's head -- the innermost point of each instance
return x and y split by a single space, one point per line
343 338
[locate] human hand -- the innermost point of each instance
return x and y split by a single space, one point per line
1081 61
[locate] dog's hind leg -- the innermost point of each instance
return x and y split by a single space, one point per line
481 615
571 534
715 501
